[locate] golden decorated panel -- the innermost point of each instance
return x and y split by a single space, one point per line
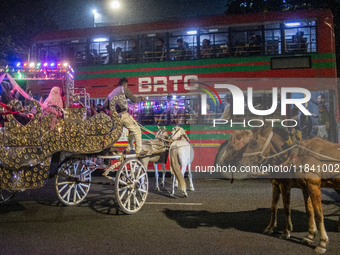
27 178
18 135
99 124
26 150
75 114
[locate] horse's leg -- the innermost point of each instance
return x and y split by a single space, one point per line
285 190
184 168
309 239
338 191
172 194
156 175
275 201
164 173
190 178
314 191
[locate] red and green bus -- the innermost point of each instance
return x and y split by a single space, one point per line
162 59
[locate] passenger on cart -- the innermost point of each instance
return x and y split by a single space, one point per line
54 98
121 93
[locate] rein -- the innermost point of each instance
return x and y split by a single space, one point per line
172 135
180 138
260 153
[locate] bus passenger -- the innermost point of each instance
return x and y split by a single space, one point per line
305 124
160 52
132 57
323 125
181 50
321 101
180 117
300 44
109 55
255 45
7 95
206 49
54 98
226 113
118 55
122 92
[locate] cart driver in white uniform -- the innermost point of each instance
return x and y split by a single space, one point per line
123 92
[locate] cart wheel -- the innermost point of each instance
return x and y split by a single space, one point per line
69 186
6 195
131 186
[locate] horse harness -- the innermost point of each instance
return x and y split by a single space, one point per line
180 137
260 153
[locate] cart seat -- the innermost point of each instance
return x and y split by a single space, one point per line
15 134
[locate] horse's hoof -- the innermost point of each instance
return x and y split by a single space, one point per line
268 231
285 236
185 194
307 241
163 185
171 195
320 249
157 189
192 188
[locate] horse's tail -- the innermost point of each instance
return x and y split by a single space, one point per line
176 170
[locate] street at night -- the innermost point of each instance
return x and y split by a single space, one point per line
217 218
94 95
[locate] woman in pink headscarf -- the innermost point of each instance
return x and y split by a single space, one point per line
54 99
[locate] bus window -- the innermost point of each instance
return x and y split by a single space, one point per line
183 109
246 41
272 39
118 48
74 52
183 46
132 53
214 43
207 42
153 111
98 50
221 45
50 52
300 37
191 109
214 111
147 49
154 47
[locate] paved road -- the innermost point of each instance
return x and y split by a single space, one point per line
217 218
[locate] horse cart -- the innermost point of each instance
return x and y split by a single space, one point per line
40 150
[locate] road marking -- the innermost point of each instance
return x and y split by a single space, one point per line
157 203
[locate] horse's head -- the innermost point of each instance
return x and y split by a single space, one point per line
162 133
237 142
178 133
259 146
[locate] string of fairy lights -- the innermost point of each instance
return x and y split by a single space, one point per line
23 70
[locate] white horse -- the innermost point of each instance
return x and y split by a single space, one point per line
158 150
181 154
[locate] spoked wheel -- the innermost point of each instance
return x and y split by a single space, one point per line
131 186
6 195
73 181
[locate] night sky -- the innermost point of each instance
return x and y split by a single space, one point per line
70 14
